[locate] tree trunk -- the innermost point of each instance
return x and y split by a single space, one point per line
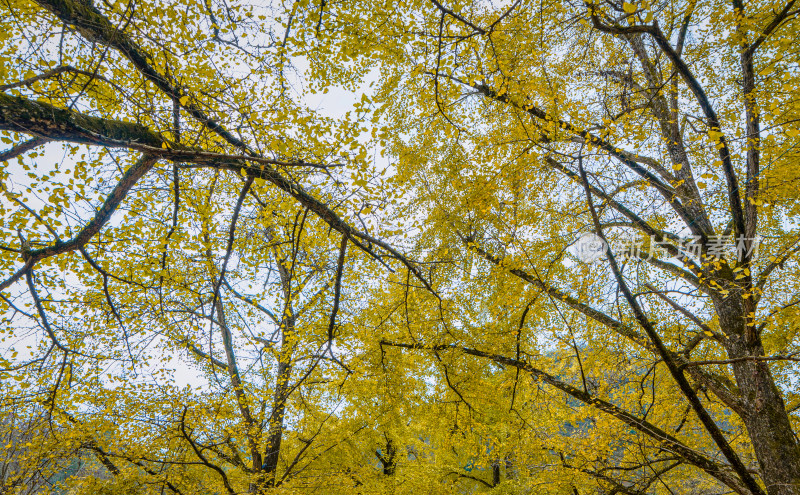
273 448
272 452
767 422
389 461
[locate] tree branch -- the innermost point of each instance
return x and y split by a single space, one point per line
708 422
663 438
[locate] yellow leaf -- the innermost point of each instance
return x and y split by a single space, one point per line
184 100
629 8
792 132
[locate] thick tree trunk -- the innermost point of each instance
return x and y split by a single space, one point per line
767 422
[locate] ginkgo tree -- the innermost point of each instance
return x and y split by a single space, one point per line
567 267
132 255
519 127
672 123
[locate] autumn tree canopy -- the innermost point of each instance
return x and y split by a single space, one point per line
546 247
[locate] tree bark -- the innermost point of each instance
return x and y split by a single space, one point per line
282 389
767 422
